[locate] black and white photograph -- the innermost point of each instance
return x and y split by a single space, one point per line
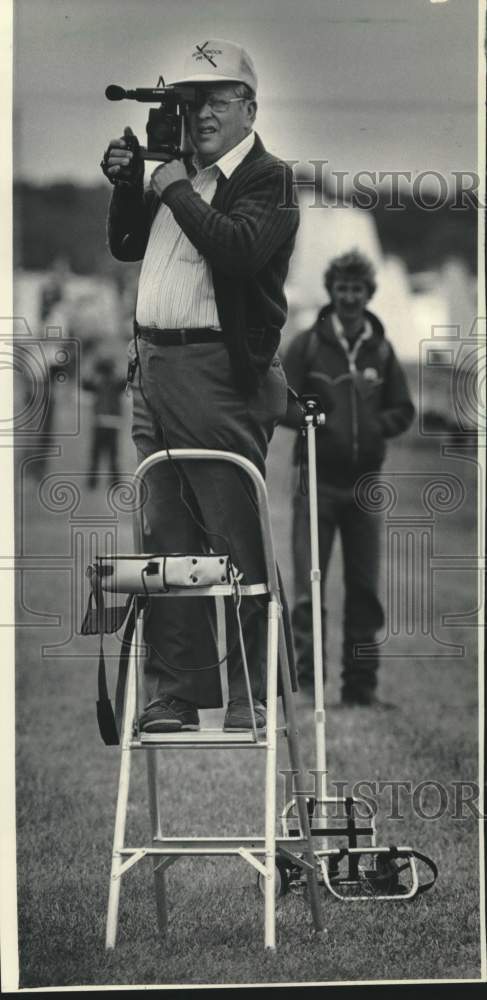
243 457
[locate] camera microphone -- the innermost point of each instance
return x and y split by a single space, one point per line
165 127
148 94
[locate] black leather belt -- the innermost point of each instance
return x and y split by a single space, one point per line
173 338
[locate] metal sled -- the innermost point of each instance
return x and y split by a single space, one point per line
163 575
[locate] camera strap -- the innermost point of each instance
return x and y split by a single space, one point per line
100 620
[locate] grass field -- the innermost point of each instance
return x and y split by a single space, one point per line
66 780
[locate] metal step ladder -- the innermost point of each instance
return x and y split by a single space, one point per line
261 852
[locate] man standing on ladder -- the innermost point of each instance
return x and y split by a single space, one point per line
215 231
346 360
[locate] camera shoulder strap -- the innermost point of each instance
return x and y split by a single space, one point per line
100 620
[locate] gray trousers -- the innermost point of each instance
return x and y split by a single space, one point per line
363 615
184 396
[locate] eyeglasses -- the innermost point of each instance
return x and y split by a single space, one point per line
218 104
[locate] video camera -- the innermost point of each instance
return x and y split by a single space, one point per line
165 126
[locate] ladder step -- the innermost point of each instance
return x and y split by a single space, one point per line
208 738
215 845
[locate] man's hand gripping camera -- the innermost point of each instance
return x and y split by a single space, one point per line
123 161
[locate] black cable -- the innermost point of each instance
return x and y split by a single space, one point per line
209 666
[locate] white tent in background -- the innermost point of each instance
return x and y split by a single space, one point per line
393 302
444 304
458 287
90 306
326 232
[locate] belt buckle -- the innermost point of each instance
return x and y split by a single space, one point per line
184 337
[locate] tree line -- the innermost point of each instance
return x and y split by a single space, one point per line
68 220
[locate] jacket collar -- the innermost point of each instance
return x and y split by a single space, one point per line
325 330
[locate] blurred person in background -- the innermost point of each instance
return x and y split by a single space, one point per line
50 314
106 386
346 359
53 317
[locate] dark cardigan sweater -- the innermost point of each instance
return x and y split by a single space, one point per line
247 235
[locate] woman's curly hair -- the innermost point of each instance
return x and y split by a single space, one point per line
351 266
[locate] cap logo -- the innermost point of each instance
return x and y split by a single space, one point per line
202 52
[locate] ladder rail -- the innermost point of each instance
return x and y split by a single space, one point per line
123 792
276 653
190 454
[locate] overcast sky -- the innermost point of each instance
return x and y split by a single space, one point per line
365 84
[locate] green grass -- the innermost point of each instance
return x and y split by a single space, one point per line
67 790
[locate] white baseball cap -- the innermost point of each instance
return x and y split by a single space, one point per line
218 61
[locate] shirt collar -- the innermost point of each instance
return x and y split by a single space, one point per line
231 159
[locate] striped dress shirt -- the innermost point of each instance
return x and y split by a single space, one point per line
175 285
